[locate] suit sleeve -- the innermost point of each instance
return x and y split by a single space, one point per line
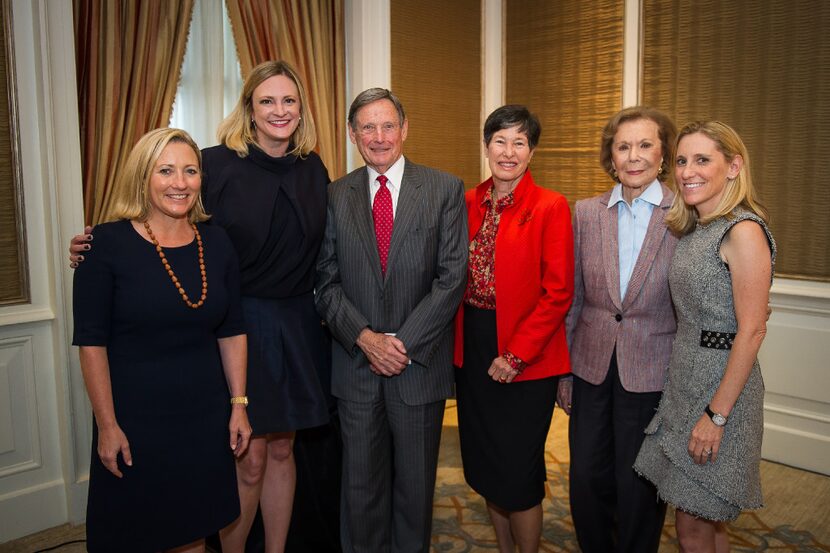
535 331
433 315
579 285
344 320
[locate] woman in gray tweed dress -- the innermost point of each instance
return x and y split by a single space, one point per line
703 447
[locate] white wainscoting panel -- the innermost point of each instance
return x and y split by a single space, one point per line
19 438
795 361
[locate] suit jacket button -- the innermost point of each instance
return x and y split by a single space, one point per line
618 317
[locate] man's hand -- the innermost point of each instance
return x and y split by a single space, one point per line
386 354
79 244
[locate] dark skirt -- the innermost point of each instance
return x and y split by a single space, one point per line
502 427
286 358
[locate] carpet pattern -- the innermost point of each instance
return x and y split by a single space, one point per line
461 523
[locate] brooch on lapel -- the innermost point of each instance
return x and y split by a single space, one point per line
525 216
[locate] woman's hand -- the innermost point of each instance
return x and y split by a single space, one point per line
564 394
240 430
704 442
80 243
111 442
501 371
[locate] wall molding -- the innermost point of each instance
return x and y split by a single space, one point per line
794 361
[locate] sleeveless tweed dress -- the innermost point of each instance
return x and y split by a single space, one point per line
701 289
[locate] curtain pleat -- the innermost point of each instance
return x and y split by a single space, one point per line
128 58
764 69
564 61
308 34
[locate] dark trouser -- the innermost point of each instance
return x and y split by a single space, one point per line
613 509
315 520
390 458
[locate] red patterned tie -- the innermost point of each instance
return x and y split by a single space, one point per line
382 214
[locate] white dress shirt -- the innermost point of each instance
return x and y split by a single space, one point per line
394 175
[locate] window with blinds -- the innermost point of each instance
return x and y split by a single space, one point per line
13 276
436 72
564 62
764 69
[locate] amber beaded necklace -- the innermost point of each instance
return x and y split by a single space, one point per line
170 272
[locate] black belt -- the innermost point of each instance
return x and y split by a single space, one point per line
716 340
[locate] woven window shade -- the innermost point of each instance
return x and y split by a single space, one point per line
763 68
564 62
13 281
436 72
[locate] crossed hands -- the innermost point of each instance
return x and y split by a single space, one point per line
386 354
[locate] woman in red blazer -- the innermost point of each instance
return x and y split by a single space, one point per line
510 343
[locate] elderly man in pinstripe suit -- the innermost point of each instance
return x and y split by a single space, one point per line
390 276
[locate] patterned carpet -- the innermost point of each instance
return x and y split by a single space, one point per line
796 517
461 524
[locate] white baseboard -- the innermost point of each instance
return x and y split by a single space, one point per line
31 510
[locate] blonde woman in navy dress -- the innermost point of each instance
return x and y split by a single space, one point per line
162 347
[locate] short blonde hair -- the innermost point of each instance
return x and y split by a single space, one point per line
682 218
131 192
237 131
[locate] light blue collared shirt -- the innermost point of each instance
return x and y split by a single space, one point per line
632 224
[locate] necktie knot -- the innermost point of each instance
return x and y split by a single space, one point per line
382 180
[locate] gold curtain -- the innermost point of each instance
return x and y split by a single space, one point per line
564 61
436 72
763 68
128 56
308 34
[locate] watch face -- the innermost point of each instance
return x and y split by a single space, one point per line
718 419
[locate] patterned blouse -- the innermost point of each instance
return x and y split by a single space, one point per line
481 281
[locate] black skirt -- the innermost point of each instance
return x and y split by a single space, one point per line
286 363
502 427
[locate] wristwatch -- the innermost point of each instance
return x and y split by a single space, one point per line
717 418
239 400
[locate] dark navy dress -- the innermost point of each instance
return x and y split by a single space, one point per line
168 388
274 210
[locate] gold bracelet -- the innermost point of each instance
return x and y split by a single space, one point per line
239 400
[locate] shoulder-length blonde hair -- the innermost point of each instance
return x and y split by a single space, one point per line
132 197
738 192
237 131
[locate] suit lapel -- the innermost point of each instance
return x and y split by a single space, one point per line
610 249
361 214
408 201
651 245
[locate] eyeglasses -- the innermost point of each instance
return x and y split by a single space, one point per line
370 129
